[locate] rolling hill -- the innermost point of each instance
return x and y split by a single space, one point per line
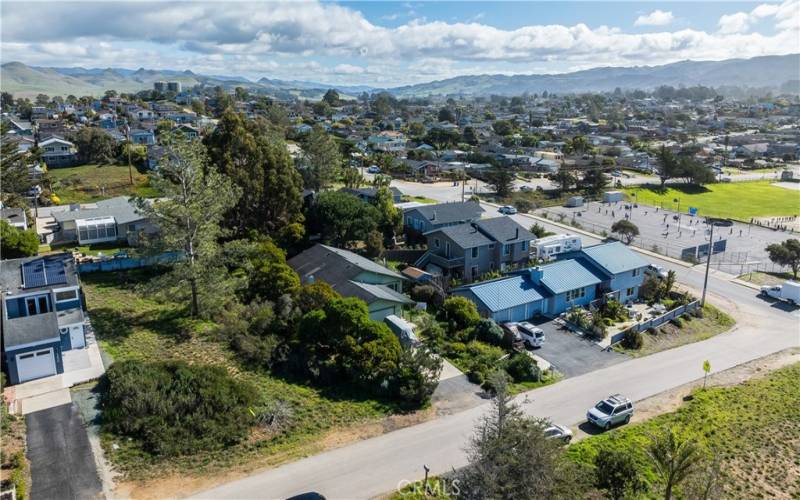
766 71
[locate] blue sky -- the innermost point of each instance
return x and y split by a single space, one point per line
390 43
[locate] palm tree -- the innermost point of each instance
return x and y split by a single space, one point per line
674 458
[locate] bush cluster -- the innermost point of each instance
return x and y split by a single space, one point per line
174 408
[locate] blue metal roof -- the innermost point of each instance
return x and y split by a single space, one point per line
615 257
566 275
508 292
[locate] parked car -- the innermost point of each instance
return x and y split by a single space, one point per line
507 210
788 291
657 271
374 169
532 336
613 410
559 432
525 188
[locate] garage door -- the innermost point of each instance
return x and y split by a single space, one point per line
36 364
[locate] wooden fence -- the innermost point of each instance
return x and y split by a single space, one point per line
124 263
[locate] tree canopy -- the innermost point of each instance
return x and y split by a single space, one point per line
342 219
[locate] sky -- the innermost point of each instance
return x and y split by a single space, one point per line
385 43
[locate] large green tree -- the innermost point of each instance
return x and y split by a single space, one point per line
15 179
15 242
786 253
321 162
95 145
509 456
501 180
194 200
675 458
255 158
342 219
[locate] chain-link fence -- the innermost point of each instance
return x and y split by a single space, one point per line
732 262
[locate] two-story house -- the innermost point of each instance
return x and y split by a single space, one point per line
472 249
42 315
58 152
607 270
353 276
429 217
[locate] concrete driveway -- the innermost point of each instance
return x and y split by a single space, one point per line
570 354
62 463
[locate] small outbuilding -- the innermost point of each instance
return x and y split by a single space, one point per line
575 201
612 196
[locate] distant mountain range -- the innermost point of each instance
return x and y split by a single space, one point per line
766 71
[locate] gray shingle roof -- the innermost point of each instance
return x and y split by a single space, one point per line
447 213
504 229
463 235
334 265
120 208
381 292
614 257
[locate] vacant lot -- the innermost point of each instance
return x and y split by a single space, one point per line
759 278
687 330
752 429
734 200
131 326
87 183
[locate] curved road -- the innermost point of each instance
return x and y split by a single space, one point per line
378 465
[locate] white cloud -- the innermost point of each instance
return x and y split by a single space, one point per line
786 14
655 18
221 39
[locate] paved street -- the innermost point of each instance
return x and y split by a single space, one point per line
375 466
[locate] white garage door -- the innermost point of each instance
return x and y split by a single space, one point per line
36 364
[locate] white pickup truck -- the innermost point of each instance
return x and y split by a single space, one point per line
788 291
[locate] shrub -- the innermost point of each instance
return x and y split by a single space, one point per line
677 322
522 368
15 242
632 340
524 206
698 313
459 312
417 377
488 331
174 408
429 294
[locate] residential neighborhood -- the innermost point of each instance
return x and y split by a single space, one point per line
439 274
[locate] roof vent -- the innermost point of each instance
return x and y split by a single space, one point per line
433 217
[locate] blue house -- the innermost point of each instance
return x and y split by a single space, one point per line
42 315
608 270
140 136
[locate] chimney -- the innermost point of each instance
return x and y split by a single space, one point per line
516 235
433 217
536 274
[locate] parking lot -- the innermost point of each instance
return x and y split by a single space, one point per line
569 353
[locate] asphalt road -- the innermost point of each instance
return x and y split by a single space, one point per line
62 463
375 466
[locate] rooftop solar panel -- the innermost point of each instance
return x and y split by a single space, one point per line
42 272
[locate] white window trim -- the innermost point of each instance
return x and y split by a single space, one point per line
67 289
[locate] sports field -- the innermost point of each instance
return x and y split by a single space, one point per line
734 200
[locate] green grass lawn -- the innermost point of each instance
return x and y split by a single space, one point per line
734 200
753 428
692 330
418 199
130 325
87 183
759 278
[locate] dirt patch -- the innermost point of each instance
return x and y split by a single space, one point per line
672 399
177 486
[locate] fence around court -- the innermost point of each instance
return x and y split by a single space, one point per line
727 261
657 321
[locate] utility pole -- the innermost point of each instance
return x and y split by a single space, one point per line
708 265
463 185
130 146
